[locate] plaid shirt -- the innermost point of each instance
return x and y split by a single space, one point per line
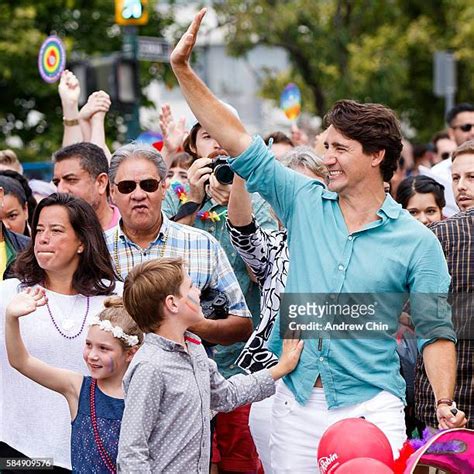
204 258
456 235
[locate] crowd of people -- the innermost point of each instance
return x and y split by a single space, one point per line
170 272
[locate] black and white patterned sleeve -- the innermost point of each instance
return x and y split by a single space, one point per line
253 244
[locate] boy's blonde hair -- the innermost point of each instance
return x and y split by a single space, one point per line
146 288
116 313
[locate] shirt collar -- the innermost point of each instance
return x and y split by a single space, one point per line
164 229
169 345
390 208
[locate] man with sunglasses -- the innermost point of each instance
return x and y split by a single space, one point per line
460 120
443 146
138 185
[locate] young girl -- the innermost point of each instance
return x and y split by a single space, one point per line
422 197
95 403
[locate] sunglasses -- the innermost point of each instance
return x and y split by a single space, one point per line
147 185
465 127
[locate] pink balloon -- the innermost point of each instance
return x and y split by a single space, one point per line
363 466
349 439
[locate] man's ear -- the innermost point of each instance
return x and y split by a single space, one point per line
164 188
377 157
102 181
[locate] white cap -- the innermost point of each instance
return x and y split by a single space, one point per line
230 107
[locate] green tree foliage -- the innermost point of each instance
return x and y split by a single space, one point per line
368 50
87 28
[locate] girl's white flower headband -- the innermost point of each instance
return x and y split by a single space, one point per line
117 331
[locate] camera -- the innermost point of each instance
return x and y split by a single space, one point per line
221 169
214 304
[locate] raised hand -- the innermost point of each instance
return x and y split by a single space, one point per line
173 132
98 104
69 88
182 52
26 302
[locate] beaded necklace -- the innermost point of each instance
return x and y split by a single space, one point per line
57 326
116 252
180 191
104 455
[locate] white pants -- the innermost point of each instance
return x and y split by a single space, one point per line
297 429
260 423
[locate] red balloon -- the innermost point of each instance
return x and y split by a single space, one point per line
349 439
364 466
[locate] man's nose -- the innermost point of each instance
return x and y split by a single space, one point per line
62 187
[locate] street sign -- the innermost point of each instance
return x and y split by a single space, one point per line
153 49
444 78
444 70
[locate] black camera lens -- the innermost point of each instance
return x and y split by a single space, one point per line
224 174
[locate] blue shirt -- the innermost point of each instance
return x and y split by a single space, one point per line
395 254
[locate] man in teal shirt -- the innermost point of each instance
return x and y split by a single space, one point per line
351 238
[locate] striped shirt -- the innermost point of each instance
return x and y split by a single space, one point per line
456 235
205 261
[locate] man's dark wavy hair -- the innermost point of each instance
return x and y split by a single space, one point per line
374 126
95 274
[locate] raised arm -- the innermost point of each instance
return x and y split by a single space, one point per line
93 113
63 381
239 210
214 116
69 91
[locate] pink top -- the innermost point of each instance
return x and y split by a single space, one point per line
115 218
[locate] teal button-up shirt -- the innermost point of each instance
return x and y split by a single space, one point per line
395 254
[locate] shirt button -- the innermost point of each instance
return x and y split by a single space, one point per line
341 267
321 359
350 237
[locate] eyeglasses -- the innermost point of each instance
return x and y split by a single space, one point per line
148 185
465 127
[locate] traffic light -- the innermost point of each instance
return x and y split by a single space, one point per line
131 12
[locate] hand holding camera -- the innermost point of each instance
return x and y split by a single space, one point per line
214 172
198 176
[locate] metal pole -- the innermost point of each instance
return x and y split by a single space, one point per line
449 100
130 50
